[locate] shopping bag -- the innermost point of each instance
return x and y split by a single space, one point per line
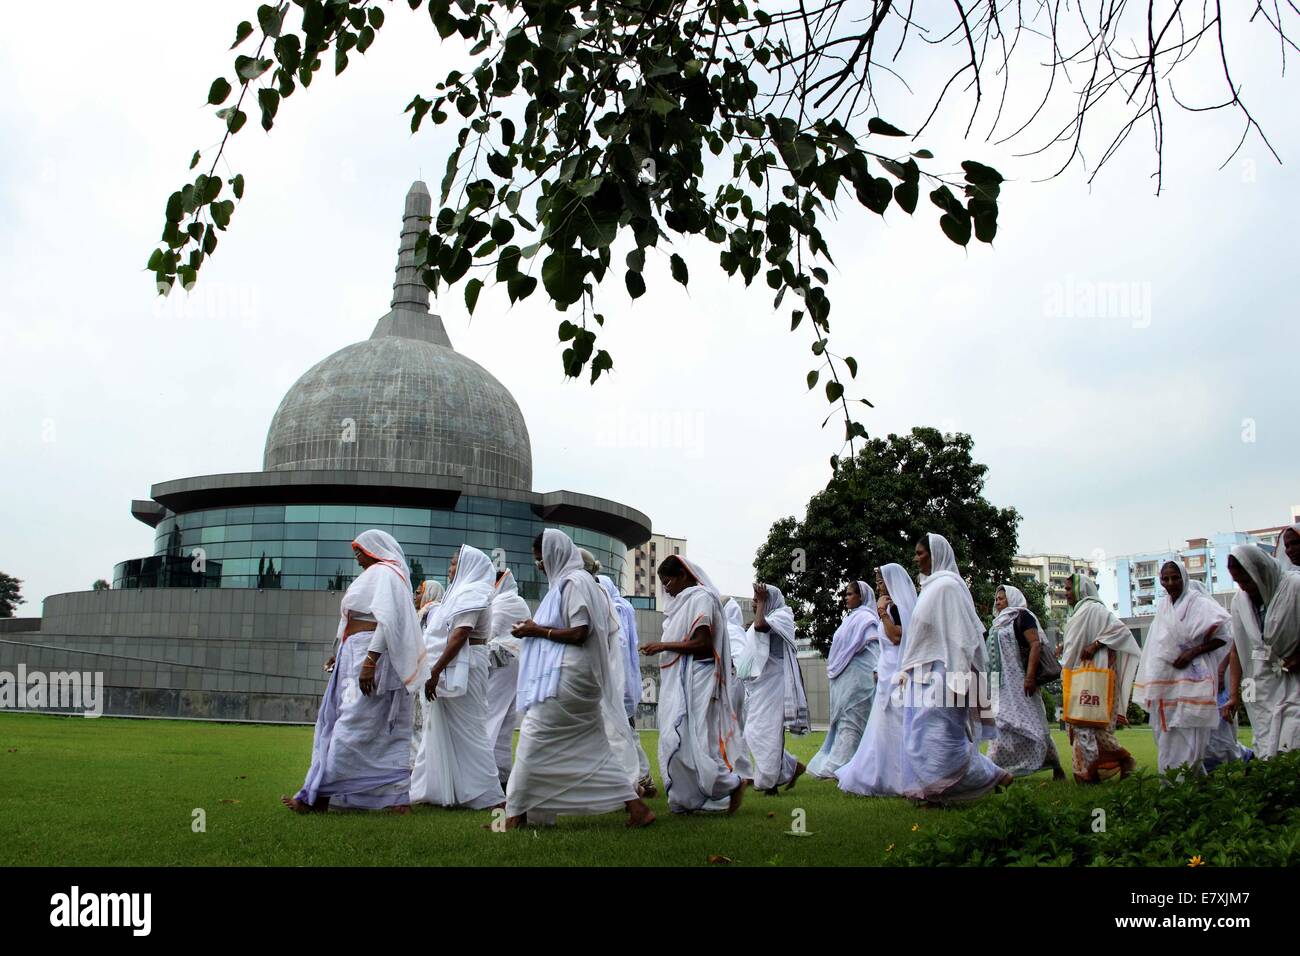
1089 695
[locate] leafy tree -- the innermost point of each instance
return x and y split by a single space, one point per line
587 122
101 585
872 511
10 594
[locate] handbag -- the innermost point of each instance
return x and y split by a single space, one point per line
1049 666
1089 694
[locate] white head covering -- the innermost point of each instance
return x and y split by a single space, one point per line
1280 553
472 589
945 626
589 561
1182 697
1016 602
735 628
780 621
902 592
860 627
383 591
429 592
627 637
1090 621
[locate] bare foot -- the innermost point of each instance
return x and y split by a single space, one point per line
401 810
736 796
639 815
1004 781
514 823
647 789
301 806
1058 775
798 772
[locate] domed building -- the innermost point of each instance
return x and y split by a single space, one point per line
398 432
234 612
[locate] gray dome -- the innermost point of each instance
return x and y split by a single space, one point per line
403 400
402 404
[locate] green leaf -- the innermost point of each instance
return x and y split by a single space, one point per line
881 128
906 195
520 287
562 274
812 379
237 184
635 284
923 154
218 91
270 19
269 100
956 228
242 33
834 390
195 161
472 288
601 363
852 363
678 266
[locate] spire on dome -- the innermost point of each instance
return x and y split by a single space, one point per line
409 291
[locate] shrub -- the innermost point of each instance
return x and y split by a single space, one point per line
1049 704
1243 814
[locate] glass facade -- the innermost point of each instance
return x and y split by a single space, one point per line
309 547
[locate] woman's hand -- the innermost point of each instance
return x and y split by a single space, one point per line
1185 659
1031 684
1089 652
431 685
367 678
760 593
329 665
528 628
1229 710
882 605
1290 664
654 648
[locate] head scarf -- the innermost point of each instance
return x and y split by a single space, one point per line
429 592
860 627
383 590
902 592
1016 603
1182 697
1090 620
472 589
945 628
589 562
735 628
780 620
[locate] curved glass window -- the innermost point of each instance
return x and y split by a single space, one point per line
309 547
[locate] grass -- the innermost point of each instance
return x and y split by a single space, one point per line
106 792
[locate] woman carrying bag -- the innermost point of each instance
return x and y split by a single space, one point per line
1097 644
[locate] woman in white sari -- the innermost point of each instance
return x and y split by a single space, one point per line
876 769
775 700
701 748
1024 743
576 754
851 669
508 609
1266 629
427 597
1177 680
628 645
361 747
1093 634
942 672
454 766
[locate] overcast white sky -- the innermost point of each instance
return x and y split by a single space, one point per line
1119 433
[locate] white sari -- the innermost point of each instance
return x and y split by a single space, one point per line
941 671
1182 702
851 669
701 748
361 745
877 766
576 754
508 609
775 700
454 766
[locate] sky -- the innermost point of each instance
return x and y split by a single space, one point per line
1124 361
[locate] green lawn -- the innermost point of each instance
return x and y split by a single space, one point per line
122 792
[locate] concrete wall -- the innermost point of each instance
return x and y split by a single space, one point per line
230 654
